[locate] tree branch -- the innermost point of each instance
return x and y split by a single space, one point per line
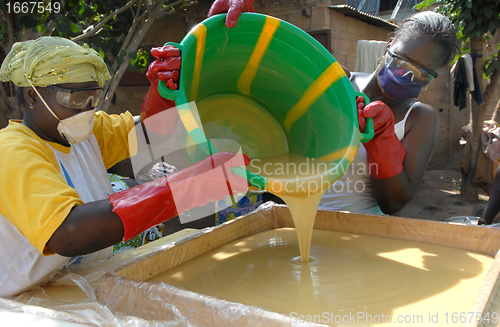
128 38
6 113
495 113
492 85
491 88
2 26
494 77
168 9
148 7
10 33
50 27
139 6
3 44
101 23
134 44
143 15
110 86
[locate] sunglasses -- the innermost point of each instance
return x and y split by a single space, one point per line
401 67
77 98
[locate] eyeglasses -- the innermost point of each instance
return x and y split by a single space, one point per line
401 67
77 98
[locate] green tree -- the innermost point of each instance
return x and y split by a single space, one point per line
476 22
114 28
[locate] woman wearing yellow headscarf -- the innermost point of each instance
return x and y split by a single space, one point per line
57 205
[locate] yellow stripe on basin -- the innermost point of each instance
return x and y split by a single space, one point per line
348 152
246 78
313 92
187 119
200 32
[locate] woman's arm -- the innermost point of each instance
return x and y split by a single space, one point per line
395 192
96 225
493 206
88 228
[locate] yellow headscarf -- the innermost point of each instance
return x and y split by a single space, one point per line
51 60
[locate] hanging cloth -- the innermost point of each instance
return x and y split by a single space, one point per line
476 94
460 83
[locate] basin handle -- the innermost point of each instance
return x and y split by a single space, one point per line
369 129
178 96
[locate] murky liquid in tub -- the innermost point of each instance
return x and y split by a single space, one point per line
350 279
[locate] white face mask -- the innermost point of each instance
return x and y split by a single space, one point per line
74 129
77 128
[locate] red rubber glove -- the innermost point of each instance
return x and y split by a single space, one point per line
165 68
234 8
152 203
384 151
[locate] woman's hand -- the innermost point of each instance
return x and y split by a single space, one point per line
234 8
384 151
165 68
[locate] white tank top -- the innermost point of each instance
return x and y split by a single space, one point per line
353 191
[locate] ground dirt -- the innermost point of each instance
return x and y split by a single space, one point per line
438 197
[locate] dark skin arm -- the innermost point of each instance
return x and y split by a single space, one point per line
346 71
493 206
88 228
392 194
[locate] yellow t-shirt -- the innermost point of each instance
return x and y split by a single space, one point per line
34 195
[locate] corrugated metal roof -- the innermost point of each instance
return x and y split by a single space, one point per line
370 19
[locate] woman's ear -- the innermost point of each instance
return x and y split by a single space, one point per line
30 95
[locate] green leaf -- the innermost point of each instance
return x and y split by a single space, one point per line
140 64
29 21
491 67
425 4
74 28
63 25
488 13
81 9
42 28
469 28
120 56
493 26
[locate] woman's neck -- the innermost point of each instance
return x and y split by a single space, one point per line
27 121
369 85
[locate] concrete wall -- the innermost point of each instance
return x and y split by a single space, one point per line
347 31
439 94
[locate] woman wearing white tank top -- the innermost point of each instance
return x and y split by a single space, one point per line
387 170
